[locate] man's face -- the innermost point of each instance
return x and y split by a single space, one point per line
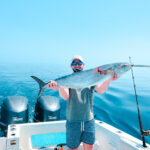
77 65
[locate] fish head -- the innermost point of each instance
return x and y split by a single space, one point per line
117 68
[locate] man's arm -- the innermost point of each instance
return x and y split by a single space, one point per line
103 87
63 92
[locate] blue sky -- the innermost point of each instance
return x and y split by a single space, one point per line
53 31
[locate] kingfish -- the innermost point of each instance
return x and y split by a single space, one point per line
89 77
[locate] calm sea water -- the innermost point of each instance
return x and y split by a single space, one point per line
117 106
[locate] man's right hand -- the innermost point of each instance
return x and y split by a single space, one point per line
52 85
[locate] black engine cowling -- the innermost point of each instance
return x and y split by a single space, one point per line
14 110
47 108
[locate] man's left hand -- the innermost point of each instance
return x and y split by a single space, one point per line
114 77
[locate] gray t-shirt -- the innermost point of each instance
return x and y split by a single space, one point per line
80 105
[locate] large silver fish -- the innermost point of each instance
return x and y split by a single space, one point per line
89 77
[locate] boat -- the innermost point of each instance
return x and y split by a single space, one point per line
48 132
51 135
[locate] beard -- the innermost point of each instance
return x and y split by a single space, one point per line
77 70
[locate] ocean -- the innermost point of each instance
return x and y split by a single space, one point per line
117 106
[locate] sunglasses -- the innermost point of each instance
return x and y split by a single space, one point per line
80 63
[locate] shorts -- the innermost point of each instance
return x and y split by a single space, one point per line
77 132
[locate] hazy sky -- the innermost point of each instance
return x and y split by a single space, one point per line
52 31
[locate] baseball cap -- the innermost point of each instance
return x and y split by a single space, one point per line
77 57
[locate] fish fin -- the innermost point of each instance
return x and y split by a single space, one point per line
39 81
41 85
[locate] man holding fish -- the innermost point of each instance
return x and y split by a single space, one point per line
80 126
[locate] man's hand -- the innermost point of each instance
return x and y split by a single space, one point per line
114 77
63 92
52 85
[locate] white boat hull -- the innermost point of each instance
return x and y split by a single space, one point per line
107 137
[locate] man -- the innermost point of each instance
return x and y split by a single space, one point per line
80 126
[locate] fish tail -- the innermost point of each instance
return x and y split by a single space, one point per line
41 85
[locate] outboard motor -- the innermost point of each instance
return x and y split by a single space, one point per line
14 110
47 108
